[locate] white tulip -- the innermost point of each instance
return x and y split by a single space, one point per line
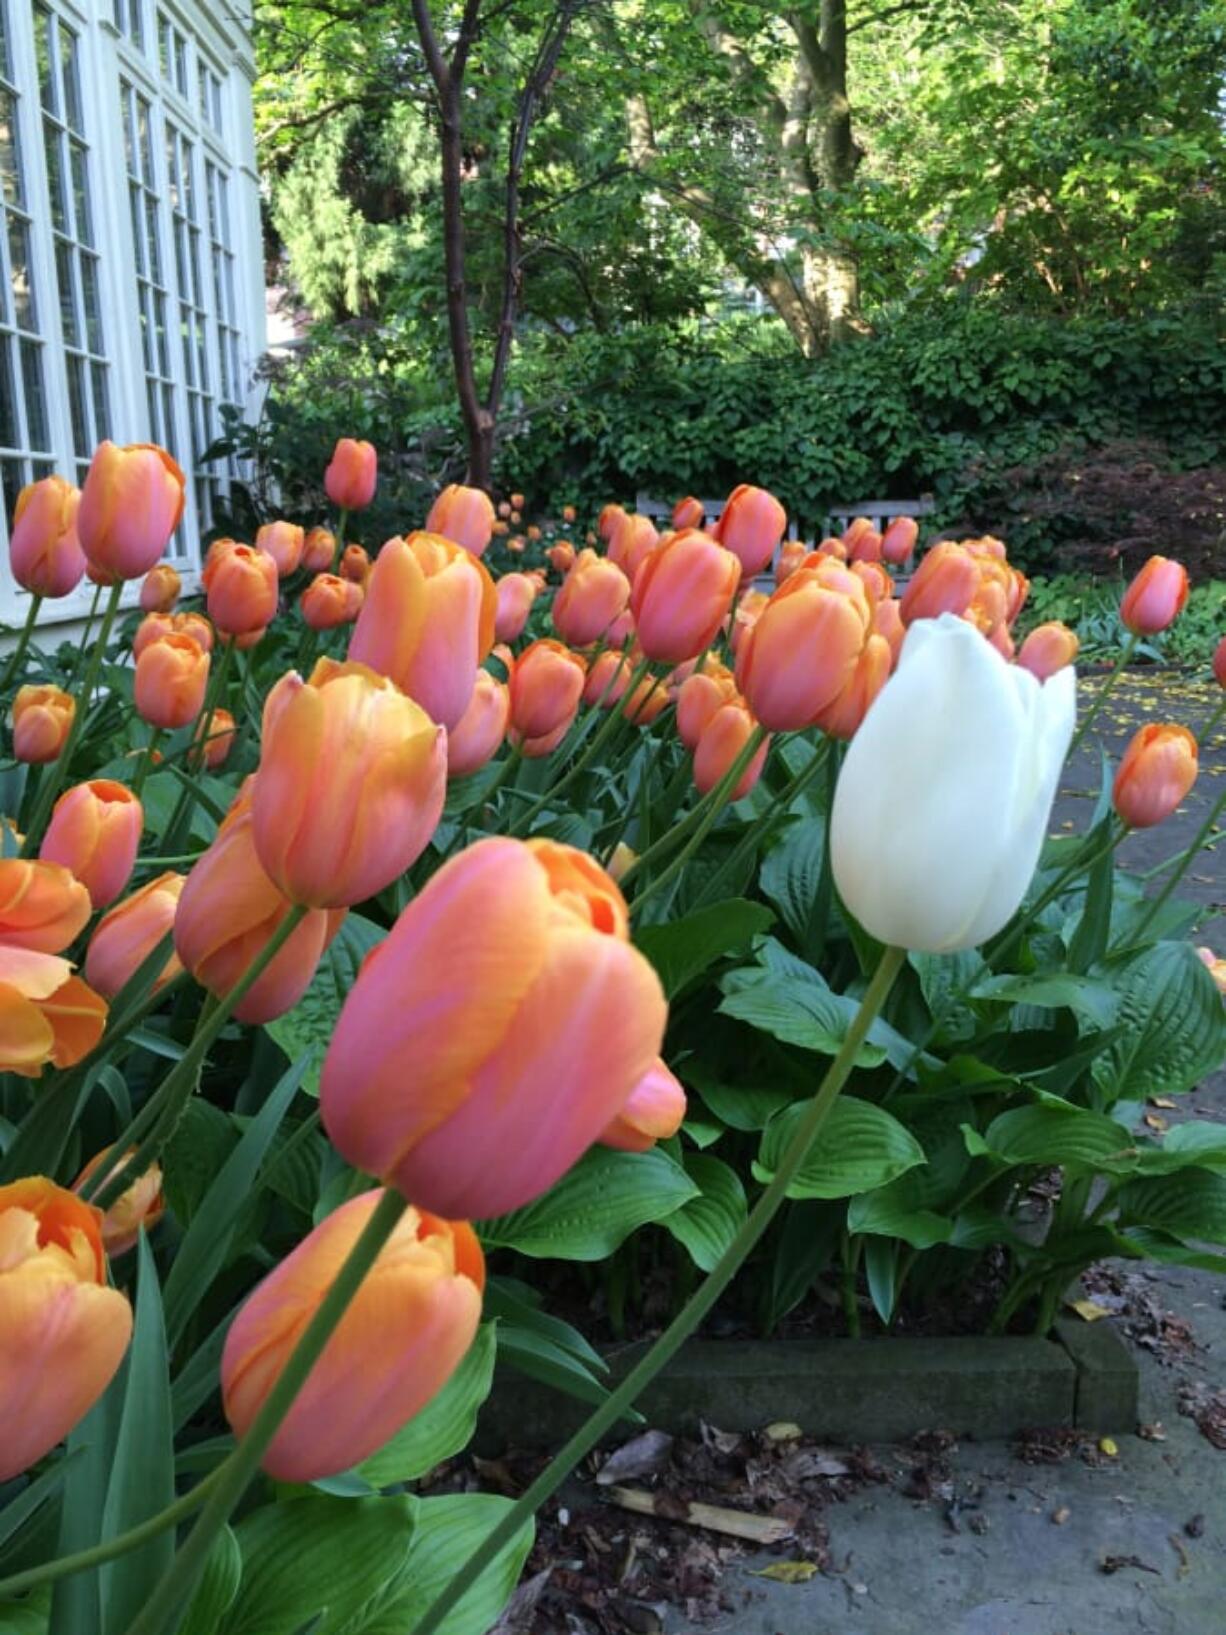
945 795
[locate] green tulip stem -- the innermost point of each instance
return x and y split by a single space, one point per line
215 696
1126 652
23 641
767 824
176 1088
78 662
338 548
146 761
721 795
1185 862
165 1605
687 1320
97 1554
60 767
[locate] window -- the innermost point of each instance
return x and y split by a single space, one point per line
26 441
172 54
210 96
130 22
185 227
76 258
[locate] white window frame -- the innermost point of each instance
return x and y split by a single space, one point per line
105 58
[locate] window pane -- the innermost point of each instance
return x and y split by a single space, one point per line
43 55
68 295
10 157
80 193
24 313
13 477
76 402
89 296
102 401
69 78
55 182
36 406
10 431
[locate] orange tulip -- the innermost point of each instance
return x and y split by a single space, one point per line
42 907
804 649
352 473
621 630
65 1331
568 513
946 581
898 541
534 533
355 564
1155 772
874 577
1048 648
751 525
496 1033
700 695
171 677
128 933
241 584
561 556
632 541
1156 597
791 554
131 504
688 513
516 545
546 686
220 739
482 727
498 527
749 610
654 1112
463 515
284 542
517 502
44 551
1219 663
594 593
330 601
42 720
646 702
864 545
95 830
428 622
140 1206
46 1013
516 593
608 678
156 625
351 784
160 588
610 520
887 622
229 909
682 594
404 1334
721 742
842 718
318 549
832 547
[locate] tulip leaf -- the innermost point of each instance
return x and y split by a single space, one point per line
310 1025
318 1561
707 1224
1188 1204
218 1586
449 1528
859 1147
1055 1132
1172 1026
206 1244
75 1604
1092 933
443 1426
683 949
594 1207
881 1275
142 1475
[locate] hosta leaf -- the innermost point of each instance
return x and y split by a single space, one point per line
707 1224
443 1426
684 948
449 1529
594 1207
1172 1026
859 1147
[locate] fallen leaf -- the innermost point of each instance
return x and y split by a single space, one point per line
1090 1310
1157 1122
1176 1544
1162 1101
644 1455
1152 1433
782 1430
1109 1446
1114 1564
1061 1516
788 1572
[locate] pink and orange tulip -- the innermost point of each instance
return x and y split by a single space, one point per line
516 593
330 601
241 586
751 525
1155 773
463 515
131 504
804 649
352 474
171 677
42 905
128 933
654 1111
721 741
42 720
1048 648
44 551
284 542
47 1015
95 831
160 589
1156 596
593 595
138 1208
681 596
482 727
546 686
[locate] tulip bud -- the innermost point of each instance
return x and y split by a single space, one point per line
645 702
318 549
546 686
171 677
1155 773
621 630
463 515
219 740
622 860
609 521
970 749
516 594
748 611
698 698
946 581
42 720
42 907
482 727
160 588
1156 597
561 556
803 651
682 594
355 564
330 601
504 508
131 504
95 830
687 513
353 470
534 533
832 547
632 541
351 784
1048 648
720 743
863 546
887 622
607 679
654 1111
65 1331
427 622
568 513
284 542
898 541
875 579
791 554
751 525
426 1082
594 594
499 528
517 502
241 584
404 1333
141 1205
44 551
128 933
